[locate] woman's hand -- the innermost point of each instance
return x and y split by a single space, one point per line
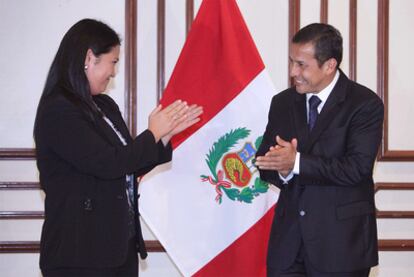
187 118
161 122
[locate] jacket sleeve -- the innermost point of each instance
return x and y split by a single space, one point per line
270 176
363 137
77 141
164 155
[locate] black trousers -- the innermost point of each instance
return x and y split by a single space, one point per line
302 267
129 268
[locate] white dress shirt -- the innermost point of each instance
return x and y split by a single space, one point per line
323 96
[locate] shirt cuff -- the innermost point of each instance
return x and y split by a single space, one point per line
286 179
296 165
295 170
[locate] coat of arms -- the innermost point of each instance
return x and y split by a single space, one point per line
237 168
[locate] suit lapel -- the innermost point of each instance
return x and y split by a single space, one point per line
106 130
120 125
329 110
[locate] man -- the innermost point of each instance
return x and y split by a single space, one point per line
319 148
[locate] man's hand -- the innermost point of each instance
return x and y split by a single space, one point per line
280 157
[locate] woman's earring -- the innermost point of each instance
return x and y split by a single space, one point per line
85 67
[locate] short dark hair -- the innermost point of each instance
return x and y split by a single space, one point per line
67 72
326 39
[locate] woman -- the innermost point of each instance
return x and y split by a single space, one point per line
88 163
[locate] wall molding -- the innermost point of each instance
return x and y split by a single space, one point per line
324 11
189 15
160 49
155 246
395 245
385 154
294 26
394 186
5 215
130 90
17 154
353 40
34 246
19 185
130 94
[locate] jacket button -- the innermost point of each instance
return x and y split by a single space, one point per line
302 213
87 204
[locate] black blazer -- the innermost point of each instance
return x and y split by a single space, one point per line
82 170
330 204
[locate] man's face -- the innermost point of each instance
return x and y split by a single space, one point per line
307 75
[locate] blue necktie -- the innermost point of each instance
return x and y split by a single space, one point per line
314 102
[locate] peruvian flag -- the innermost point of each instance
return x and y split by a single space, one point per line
208 207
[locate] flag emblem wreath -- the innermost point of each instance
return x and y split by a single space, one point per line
237 170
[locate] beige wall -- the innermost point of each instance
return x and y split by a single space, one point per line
30 32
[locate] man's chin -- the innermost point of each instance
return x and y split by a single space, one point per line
301 90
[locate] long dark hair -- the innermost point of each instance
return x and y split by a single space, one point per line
67 72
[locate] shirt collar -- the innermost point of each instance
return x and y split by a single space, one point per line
324 94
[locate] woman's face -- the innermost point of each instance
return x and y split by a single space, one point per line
99 70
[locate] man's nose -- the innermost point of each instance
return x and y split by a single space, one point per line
294 70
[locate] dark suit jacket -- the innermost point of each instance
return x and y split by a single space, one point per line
330 204
82 170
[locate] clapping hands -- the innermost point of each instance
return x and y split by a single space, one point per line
175 118
280 157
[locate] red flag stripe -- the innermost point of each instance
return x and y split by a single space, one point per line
211 71
237 259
